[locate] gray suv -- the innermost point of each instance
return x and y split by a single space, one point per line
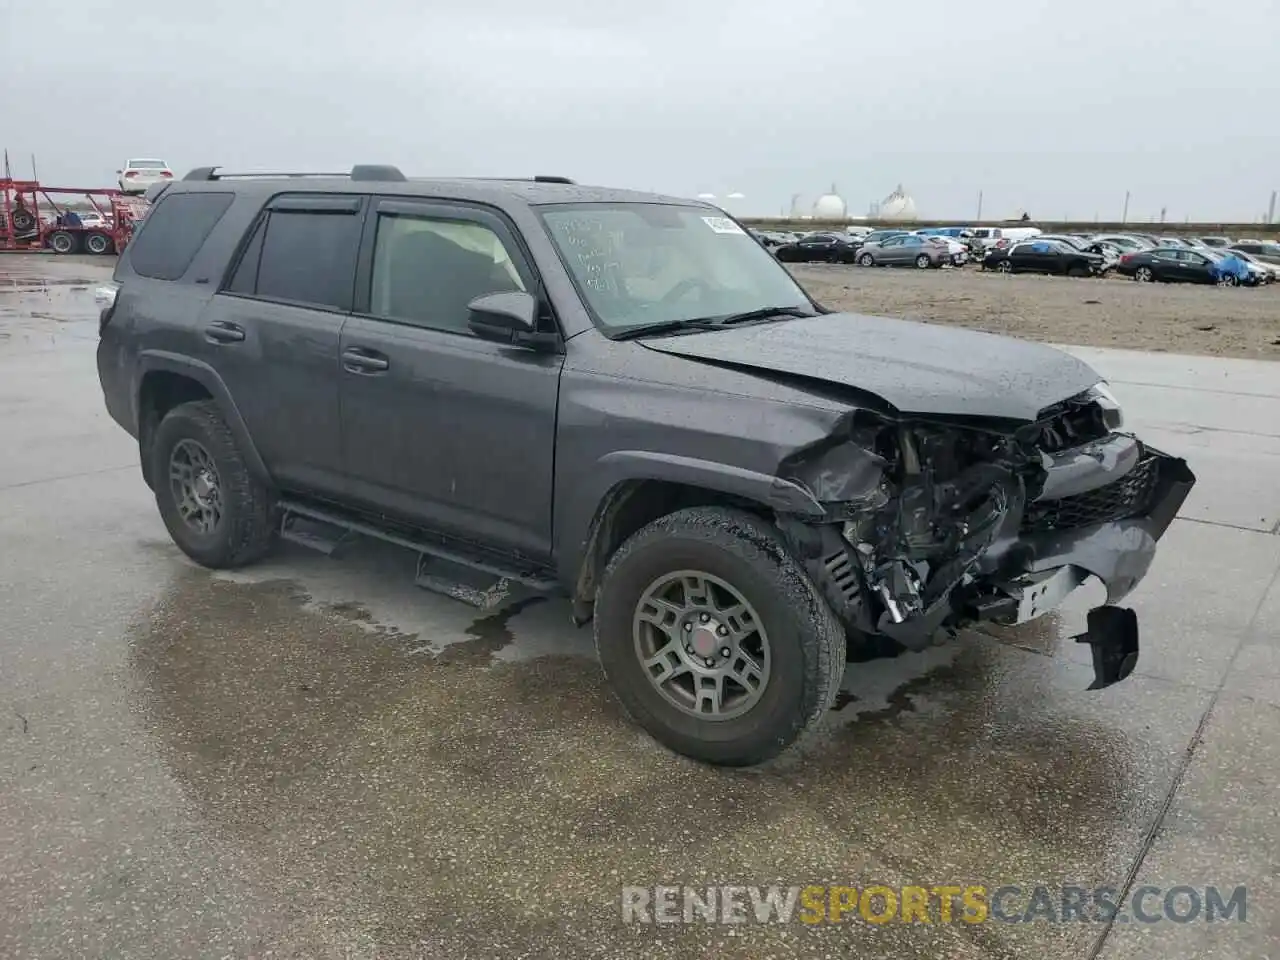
622 398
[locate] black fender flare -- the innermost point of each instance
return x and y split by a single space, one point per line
616 470
150 361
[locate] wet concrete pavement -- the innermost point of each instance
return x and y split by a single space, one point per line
313 758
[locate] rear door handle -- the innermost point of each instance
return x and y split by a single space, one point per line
222 331
360 360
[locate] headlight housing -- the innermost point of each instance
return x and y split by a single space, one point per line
1112 414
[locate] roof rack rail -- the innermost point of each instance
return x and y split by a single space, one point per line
541 178
361 171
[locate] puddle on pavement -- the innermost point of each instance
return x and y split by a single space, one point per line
422 787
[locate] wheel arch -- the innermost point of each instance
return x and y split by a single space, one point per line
637 487
166 380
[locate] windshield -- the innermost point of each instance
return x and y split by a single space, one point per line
645 263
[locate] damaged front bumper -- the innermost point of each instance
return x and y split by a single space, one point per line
1098 511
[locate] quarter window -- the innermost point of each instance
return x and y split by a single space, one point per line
173 233
427 270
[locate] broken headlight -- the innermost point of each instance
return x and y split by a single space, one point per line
1112 415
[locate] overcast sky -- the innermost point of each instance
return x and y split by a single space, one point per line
1055 107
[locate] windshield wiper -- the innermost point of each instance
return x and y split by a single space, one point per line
764 313
710 323
666 326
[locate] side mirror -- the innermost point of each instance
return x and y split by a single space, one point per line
510 317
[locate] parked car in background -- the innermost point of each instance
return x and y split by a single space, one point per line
1124 241
1267 272
1109 252
1266 252
879 236
958 248
818 248
1175 265
1216 241
137 175
906 251
1233 263
1044 256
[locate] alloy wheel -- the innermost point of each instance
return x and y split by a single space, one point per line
702 645
197 492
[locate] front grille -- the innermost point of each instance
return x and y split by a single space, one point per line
1127 497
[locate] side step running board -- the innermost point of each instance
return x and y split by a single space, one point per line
290 510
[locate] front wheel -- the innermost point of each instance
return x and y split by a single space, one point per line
217 512
714 639
867 260
1004 266
923 261
1228 280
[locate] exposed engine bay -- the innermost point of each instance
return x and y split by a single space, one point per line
935 524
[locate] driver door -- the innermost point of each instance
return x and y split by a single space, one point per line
439 427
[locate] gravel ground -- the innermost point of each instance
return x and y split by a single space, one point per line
1115 312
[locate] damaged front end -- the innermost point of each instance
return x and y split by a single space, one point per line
933 524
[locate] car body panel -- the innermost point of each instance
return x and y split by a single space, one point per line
915 367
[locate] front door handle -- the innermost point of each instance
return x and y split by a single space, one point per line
359 360
223 331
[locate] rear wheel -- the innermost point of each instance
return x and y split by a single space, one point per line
714 639
60 241
98 243
216 511
1143 275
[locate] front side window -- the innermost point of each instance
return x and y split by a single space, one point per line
427 270
644 263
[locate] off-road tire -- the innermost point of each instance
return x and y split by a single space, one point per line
247 526
807 643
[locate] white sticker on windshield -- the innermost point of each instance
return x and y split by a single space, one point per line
723 225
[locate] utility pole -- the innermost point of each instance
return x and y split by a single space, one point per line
1271 210
980 205
1124 217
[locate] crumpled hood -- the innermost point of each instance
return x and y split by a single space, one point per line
917 367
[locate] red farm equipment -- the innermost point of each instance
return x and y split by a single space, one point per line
37 218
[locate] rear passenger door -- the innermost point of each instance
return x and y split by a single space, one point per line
274 328
440 427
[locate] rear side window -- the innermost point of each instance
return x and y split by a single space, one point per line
301 256
173 233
